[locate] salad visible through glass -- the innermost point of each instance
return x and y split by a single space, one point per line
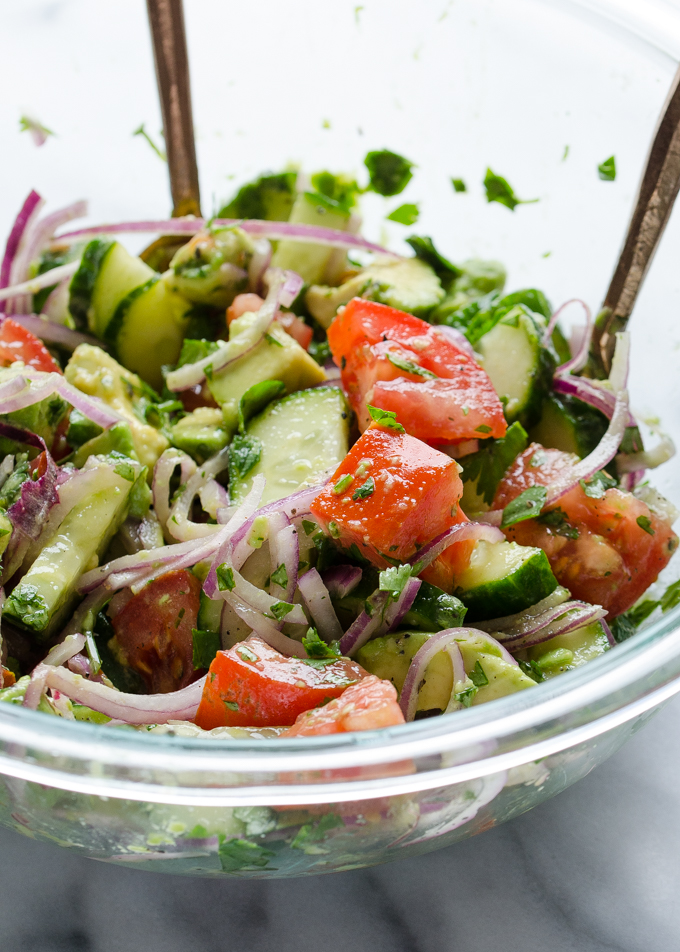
269 478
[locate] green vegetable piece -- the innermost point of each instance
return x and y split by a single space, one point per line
526 506
243 856
532 669
11 489
407 214
225 578
37 129
425 250
320 350
145 135
645 523
311 834
117 440
280 576
206 644
309 527
597 485
458 185
317 649
244 454
409 367
343 483
257 398
499 190
386 419
270 197
80 429
365 490
478 676
389 173
559 523
280 609
394 579
607 169
337 190
467 696
195 350
28 606
487 466
671 597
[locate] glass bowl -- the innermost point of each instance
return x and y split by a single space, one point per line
541 92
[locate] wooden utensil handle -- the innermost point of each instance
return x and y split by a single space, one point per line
657 194
166 19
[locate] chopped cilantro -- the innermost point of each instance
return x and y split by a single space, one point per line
145 135
478 675
466 697
195 350
280 609
532 670
256 399
388 172
343 483
246 654
365 490
244 454
425 250
311 834
28 606
527 505
558 521
317 649
645 523
38 131
607 169
488 466
243 855
11 489
394 579
127 470
671 597
280 576
385 418
232 705
407 214
205 645
320 350
483 428
225 578
334 529
408 366
499 190
274 342
458 185
597 485
309 526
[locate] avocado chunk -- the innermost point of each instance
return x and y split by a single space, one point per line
569 651
93 371
407 284
202 433
276 357
293 442
117 439
212 268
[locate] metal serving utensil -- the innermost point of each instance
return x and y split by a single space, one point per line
166 20
658 190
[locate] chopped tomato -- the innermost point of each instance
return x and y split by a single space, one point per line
195 397
253 685
38 466
397 362
153 631
449 565
368 705
607 551
242 304
390 496
16 343
8 677
296 327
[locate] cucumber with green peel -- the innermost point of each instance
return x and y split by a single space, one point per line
503 578
277 357
117 439
107 274
434 610
147 329
209 613
407 284
565 652
46 593
309 260
569 425
295 441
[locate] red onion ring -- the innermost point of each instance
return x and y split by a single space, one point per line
383 618
578 361
265 630
284 549
340 580
408 700
41 281
458 533
317 598
28 210
53 333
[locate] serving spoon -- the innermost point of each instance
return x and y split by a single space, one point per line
168 36
656 196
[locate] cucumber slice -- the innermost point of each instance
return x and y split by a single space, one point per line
503 578
209 613
147 329
300 437
408 285
432 609
310 261
277 357
570 651
520 369
569 425
107 274
46 593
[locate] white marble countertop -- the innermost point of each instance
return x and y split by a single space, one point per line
593 870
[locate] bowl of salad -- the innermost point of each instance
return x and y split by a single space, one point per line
325 541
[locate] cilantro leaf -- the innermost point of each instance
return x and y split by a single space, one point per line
645 524
405 215
558 521
389 172
458 185
487 466
386 419
279 576
28 606
478 675
408 366
311 834
243 855
527 505
317 648
145 135
309 526
466 697
607 169
425 250
394 579
195 350
244 454
597 485
671 597
532 670
365 490
205 645
280 609
225 578
499 190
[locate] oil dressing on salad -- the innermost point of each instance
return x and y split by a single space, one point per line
269 476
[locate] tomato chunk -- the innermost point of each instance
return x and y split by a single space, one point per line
16 343
607 551
368 705
153 631
397 362
253 685
402 494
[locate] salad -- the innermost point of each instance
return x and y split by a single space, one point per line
271 477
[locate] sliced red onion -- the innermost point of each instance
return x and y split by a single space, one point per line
273 230
130 708
2 605
284 549
214 498
283 288
29 513
44 230
317 598
587 391
491 518
88 609
603 453
66 649
650 459
551 623
524 621
91 407
165 466
27 212
179 525
259 263
578 361
408 700
265 629
458 533
55 306
12 386
41 281
385 614
457 338
53 333
396 610
259 600
340 580
43 385
236 525
608 633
